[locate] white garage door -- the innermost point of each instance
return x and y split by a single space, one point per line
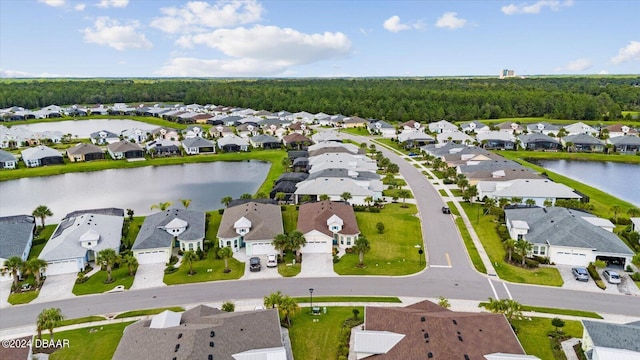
62 267
152 257
316 247
571 258
261 248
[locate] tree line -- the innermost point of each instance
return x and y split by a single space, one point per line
423 99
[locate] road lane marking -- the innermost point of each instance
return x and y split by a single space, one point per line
494 290
441 266
448 259
507 290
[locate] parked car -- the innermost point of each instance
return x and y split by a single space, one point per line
272 261
611 276
254 264
446 210
580 273
412 154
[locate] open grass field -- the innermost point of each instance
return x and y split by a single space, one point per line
96 285
98 343
393 252
484 225
318 340
535 341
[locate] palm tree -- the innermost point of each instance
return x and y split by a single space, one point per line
280 196
287 307
42 212
346 196
296 241
633 212
503 202
281 243
488 204
35 266
261 195
185 202
470 193
548 203
437 164
305 198
495 306
131 263
512 309
368 200
444 302
516 200
509 245
273 300
226 201
361 246
190 256
323 197
225 253
108 258
523 247
615 209
49 319
162 206
246 196
462 183
13 265
530 202
404 194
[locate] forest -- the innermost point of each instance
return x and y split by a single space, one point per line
424 99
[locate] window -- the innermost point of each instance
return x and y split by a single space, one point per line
520 236
348 240
228 243
190 246
543 250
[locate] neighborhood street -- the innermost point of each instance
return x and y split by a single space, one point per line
450 275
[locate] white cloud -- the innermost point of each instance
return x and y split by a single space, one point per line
54 3
579 65
111 33
629 53
23 74
451 21
364 31
535 8
80 7
197 16
393 24
113 3
603 72
256 51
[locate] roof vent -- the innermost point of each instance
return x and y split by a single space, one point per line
426 335
179 335
422 319
212 334
466 357
454 322
459 337
211 344
210 357
430 355
177 347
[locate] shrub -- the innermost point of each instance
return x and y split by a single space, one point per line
503 232
601 284
336 259
593 272
374 210
81 278
600 264
173 259
531 263
448 181
220 211
541 259
170 269
635 276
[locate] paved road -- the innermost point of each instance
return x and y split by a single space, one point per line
460 281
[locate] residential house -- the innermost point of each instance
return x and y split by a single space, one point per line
442 126
538 190
410 139
198 145
617 130
231 120
582 143
301 164
220 131
288 188
252 226
341 161
327 223
265 142
103 137
51 111
192 131
454 136
135 135
496 140
382 128
625 144
275 128
300 128
566 236
79 237
7 160
427 331
163 147
325 136
303 116
538 141
411 125
580 128
354 122
608 341
510 127
323 119
233 143
247 130
335 187
163 230
125 150
16 239
165 134
296 141
635 224
205 333
474 127
85 152
41 156
543 128
319 148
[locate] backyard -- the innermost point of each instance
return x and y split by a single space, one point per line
534 336
89 343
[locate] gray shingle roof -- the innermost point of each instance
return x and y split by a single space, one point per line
625 140
123 146
565 227
151 236
536 137
83 149
262 139
197 142
345 173
616 336
581 139
266 221
39 152
6 156
15 233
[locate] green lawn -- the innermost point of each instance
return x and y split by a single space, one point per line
471 247
443 193
289 270
393 252
202 274
394 193
23 297
356 131
96 285
492 244
318 340
380 299
534 339
134 228
546 310
456 192
89 343
290 218
41 240
81 320
148 312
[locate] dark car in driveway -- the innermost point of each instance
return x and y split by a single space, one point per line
254 264
580 273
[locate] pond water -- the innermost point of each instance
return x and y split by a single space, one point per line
619 179
83 128
139 188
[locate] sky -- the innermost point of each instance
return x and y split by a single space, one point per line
316 38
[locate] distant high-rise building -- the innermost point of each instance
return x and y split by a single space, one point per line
506 73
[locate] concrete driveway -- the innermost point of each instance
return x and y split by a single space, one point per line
5 290
627 286
317 265
149 276
264 273
57 287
